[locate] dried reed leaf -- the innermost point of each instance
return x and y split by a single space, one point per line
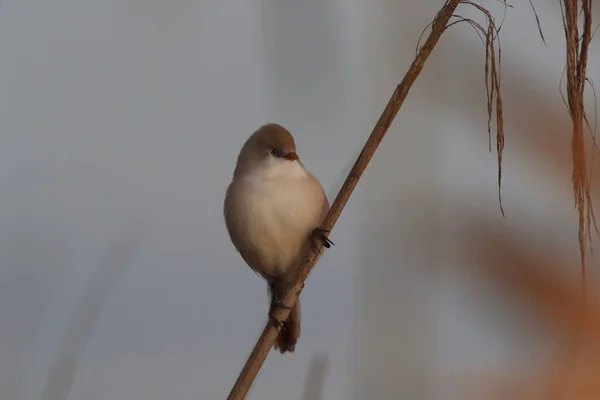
537 21
577 53
490 38
492 71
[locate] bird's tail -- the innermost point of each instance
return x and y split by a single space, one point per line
290 331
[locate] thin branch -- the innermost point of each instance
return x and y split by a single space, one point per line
270 332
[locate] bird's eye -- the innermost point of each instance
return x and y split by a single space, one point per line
274 152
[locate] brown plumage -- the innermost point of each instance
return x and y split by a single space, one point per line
271 207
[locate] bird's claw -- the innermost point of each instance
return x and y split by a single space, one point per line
275 322
319 234
276 303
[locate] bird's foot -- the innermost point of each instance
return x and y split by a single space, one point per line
276 302
275 322
319 234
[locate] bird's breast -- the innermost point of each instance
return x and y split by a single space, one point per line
274 218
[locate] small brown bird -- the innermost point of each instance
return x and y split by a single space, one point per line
273 209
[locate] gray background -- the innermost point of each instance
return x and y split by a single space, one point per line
120 124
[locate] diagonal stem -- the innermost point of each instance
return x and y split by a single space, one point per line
267 338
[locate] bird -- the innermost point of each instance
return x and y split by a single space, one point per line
273 209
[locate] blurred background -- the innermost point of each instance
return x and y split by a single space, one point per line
121 122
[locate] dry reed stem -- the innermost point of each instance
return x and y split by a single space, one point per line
270 332
577 53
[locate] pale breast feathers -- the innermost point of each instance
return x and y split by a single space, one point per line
269 220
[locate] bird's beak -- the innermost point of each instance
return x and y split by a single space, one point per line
292 156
